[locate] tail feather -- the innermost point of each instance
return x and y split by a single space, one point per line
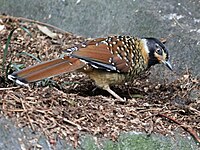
46 69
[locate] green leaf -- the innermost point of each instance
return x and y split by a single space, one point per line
17 67
5 51
31 55
26 30
137 96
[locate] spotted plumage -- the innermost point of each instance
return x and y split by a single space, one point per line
107 61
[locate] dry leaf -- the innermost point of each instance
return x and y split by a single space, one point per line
47 32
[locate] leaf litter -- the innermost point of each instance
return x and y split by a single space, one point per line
70 105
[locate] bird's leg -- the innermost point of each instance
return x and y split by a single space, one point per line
107 88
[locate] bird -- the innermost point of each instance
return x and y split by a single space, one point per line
108 61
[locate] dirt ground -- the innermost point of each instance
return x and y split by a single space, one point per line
70 105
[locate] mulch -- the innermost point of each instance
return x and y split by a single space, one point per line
70 105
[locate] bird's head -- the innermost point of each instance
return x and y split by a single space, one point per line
157 51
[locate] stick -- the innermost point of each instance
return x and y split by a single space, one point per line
10 88
37 22
186 128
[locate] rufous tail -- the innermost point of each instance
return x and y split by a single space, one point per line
46 69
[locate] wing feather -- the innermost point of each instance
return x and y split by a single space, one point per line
112 53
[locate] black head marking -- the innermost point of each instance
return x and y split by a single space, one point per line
156 50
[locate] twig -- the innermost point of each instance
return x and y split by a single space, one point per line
15 110
150 116
178 23
186 128
195 110
72 123
76 125
29 119
37 22
10 88
150 109
75 141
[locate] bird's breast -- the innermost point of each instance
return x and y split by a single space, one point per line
103 78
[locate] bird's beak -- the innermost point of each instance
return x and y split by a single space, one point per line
167 63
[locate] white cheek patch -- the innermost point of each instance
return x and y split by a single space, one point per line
145 46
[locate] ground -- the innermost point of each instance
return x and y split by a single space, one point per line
70 105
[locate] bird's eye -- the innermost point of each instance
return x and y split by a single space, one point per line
159 51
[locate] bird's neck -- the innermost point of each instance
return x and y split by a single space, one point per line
144 50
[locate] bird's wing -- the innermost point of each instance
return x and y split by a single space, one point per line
112 53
